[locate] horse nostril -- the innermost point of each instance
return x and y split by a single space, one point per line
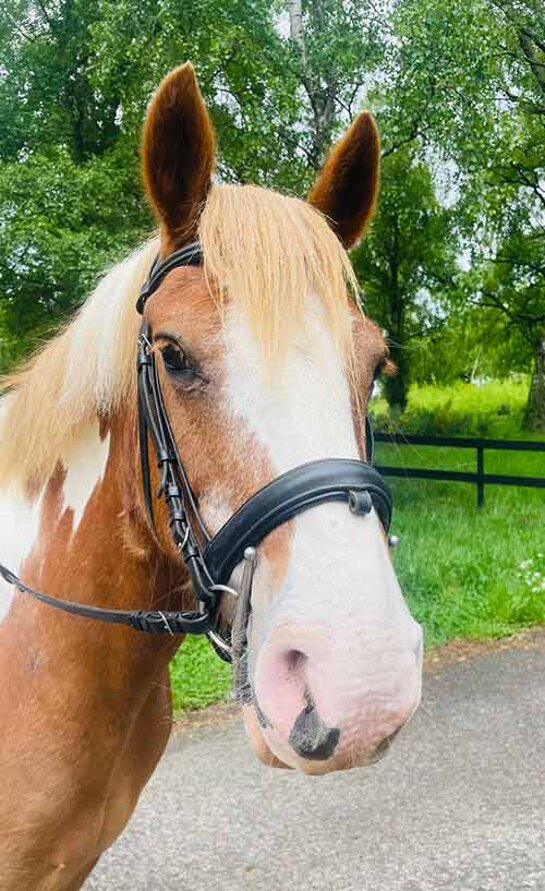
311 738
295 662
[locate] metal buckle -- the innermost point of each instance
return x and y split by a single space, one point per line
144 340
224 589
232 652
165 622
182 544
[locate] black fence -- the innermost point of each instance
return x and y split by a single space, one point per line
479 478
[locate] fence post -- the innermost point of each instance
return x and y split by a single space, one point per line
480 476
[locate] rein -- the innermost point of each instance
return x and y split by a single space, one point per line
210 561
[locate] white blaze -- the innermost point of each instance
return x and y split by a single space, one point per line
337 559
304 412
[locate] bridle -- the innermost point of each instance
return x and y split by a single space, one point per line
210 560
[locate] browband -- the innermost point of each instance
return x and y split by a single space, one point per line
190 255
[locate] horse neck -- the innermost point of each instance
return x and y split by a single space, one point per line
84 539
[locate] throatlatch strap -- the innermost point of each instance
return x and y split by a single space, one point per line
152 621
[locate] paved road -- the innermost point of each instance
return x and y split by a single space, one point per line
459 805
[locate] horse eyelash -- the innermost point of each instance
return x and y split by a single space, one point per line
162 341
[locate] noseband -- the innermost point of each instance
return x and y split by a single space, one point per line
210 561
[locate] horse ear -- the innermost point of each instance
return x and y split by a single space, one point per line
178 148
347 188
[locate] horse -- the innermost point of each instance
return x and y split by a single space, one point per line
265 363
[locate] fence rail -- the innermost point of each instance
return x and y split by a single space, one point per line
479 478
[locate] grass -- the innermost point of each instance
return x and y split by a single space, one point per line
198 676
465 573
494 409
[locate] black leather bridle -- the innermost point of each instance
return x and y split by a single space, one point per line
210 561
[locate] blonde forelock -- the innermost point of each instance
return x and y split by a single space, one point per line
272 253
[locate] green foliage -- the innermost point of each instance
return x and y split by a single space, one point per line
472 77
63 222
493 409
337 49
459 94
70 200
242 65
75 81
46 93
407 263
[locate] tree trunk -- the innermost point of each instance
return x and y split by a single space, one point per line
320 85
396 388
296 20
534 416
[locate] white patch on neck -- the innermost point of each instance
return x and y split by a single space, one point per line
19 525
19 522
85 463
20 517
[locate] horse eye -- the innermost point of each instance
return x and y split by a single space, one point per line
175 361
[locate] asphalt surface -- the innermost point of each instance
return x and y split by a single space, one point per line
458 805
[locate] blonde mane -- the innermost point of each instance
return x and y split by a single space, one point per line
268 251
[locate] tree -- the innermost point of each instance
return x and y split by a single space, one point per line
458 89
406 263
47 97
75 80
242 63
336 48
472 80
70 203
513 284
61 224
78 77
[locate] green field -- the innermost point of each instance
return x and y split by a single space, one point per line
494 410
466 573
